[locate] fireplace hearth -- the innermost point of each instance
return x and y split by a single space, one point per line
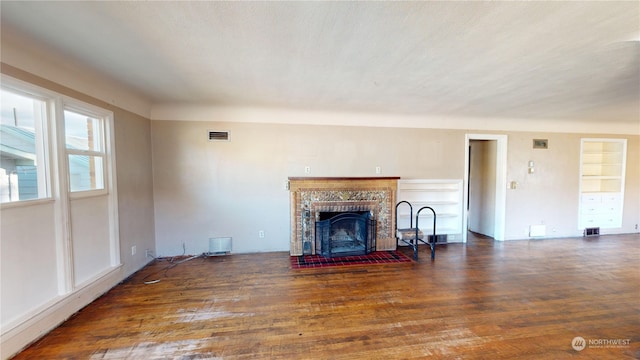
345 234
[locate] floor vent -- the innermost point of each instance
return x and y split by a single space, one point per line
218 135
219 246
440 239
594 231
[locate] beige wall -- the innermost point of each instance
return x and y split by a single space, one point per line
550 195
135 188
207 189
237 188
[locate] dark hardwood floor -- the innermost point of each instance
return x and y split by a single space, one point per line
482 300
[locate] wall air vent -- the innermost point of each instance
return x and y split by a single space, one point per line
593 231
218 135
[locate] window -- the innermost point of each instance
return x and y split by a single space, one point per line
84 142
58 194
23 151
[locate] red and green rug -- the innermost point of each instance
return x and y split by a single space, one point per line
378 257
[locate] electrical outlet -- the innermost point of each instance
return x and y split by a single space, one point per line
133 250
307 169
378 170
148 253
261 234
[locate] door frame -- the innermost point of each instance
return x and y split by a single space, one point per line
501 183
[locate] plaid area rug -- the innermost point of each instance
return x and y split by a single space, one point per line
378 257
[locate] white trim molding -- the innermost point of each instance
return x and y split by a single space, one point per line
39 322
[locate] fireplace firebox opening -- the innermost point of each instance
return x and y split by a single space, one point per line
345 233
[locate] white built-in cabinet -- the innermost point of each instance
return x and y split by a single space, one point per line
602 174
444 196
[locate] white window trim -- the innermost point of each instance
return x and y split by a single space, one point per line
107 140
48 151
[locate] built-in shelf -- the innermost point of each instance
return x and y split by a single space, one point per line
602 175
444 196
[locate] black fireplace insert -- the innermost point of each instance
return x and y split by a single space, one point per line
345 234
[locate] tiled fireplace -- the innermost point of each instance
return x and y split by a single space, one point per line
311 196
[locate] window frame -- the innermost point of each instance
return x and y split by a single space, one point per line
105 118
44 132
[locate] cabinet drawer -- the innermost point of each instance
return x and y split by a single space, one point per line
612 199
590 221
591 210
591 199
611 221
599 209
601 220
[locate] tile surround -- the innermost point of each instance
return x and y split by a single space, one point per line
310 196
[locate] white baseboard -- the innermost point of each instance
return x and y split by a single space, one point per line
41 321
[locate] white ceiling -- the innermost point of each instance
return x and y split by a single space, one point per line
536 60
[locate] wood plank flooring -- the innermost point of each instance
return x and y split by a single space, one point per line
482 300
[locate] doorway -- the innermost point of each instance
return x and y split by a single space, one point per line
481 204
485 185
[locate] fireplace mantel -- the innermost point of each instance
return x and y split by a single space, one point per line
310 195
344 178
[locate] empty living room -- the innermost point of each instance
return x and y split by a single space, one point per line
320 180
